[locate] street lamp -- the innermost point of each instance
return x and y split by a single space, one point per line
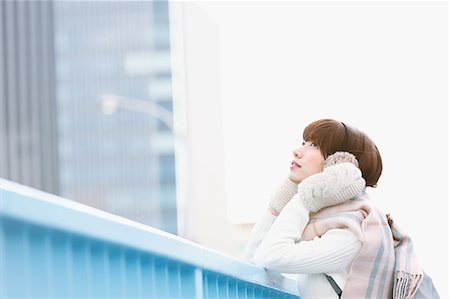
110 103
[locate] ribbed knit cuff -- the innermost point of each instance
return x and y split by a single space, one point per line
283 195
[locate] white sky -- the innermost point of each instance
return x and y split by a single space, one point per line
379 66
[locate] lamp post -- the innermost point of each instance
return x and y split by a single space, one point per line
110 103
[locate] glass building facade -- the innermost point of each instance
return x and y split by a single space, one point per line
122 163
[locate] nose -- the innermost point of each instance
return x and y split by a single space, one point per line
297 153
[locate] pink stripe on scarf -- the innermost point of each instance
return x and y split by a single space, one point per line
379 270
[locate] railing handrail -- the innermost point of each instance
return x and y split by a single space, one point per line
35 206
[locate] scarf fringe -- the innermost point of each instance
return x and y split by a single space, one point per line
406 284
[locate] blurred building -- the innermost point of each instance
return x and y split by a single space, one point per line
122 163
28 128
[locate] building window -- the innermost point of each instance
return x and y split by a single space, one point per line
113 162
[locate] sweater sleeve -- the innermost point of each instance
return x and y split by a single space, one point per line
259 231
282 251
283 194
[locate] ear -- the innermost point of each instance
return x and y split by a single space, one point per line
340 157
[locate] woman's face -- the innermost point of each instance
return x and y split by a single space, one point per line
308 160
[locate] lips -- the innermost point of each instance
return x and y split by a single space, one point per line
294 163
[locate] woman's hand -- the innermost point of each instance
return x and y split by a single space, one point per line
340 181
282 196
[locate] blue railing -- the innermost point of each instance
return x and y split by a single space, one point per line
51 247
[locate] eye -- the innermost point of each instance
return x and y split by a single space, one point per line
312 144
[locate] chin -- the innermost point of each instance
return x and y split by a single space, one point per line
295 178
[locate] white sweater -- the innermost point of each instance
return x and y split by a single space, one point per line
275 245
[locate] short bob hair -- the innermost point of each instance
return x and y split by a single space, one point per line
332 136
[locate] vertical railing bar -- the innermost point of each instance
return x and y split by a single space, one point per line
48 263
227 287
106 269
139 275
70 265
166 276
70 276
2 245
230 287
88 250
216 277
205 282
208 283
199 283
110 278
178 277
122 273
27 259
153 271
105 257
215 282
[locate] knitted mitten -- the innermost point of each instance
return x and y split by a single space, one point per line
283 195
340 181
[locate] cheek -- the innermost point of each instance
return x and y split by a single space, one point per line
317 163
321 165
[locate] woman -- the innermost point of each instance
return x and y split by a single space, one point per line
321 225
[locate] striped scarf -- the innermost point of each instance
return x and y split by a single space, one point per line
386 266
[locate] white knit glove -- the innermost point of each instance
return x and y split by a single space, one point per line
340 181
283 195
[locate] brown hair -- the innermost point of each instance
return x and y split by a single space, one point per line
332 136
